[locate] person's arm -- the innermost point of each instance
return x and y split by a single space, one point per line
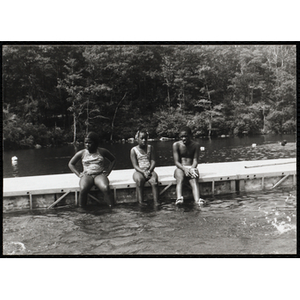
74 161
112 160
152 160
176 157
135 164
196 155
192 171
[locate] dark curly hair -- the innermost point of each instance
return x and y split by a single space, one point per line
187 129
94 137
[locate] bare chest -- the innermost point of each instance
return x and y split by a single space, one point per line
187 152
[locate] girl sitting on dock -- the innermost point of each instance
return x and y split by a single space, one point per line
94 172
143 161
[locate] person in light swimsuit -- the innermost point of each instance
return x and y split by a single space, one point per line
185 154
143 161
94 172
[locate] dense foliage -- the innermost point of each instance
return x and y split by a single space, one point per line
54 94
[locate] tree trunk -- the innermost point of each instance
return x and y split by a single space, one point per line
74 128
87 116
115 113
169 100
264 120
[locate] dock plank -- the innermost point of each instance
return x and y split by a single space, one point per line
120 179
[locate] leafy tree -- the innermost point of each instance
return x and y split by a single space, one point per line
62 91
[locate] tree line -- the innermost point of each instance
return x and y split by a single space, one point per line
53 94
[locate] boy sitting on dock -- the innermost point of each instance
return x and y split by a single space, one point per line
186 153
143 161
94 172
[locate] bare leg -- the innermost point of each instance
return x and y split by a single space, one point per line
140 182
86 182
154 185
195 189
102 182
179 176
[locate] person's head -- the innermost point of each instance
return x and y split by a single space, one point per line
91 141
142 137
185 134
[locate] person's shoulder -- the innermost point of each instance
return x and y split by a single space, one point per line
176 143
80 152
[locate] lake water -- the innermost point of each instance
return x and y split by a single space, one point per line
47 161
256 223
241 223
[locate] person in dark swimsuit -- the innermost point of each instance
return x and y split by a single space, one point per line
143 161
94 172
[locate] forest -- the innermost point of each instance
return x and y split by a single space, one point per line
54 94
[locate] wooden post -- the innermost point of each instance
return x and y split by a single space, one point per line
213 187
232 185
30 201
115 195
242 185
59 199
281 180
95 198
76 199
165 189
294 179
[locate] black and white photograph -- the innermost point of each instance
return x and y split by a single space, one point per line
142 149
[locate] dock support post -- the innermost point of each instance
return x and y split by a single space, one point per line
294 179
242 185
263 183
94 198
281 180
213 187
115 195
59 199
30 201
76 199
232 185
165 189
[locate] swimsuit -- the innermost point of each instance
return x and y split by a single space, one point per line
93 163
144 162
143 159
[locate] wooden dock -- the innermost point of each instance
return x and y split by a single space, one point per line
21 193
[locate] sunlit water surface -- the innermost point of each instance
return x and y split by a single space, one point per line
256 223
